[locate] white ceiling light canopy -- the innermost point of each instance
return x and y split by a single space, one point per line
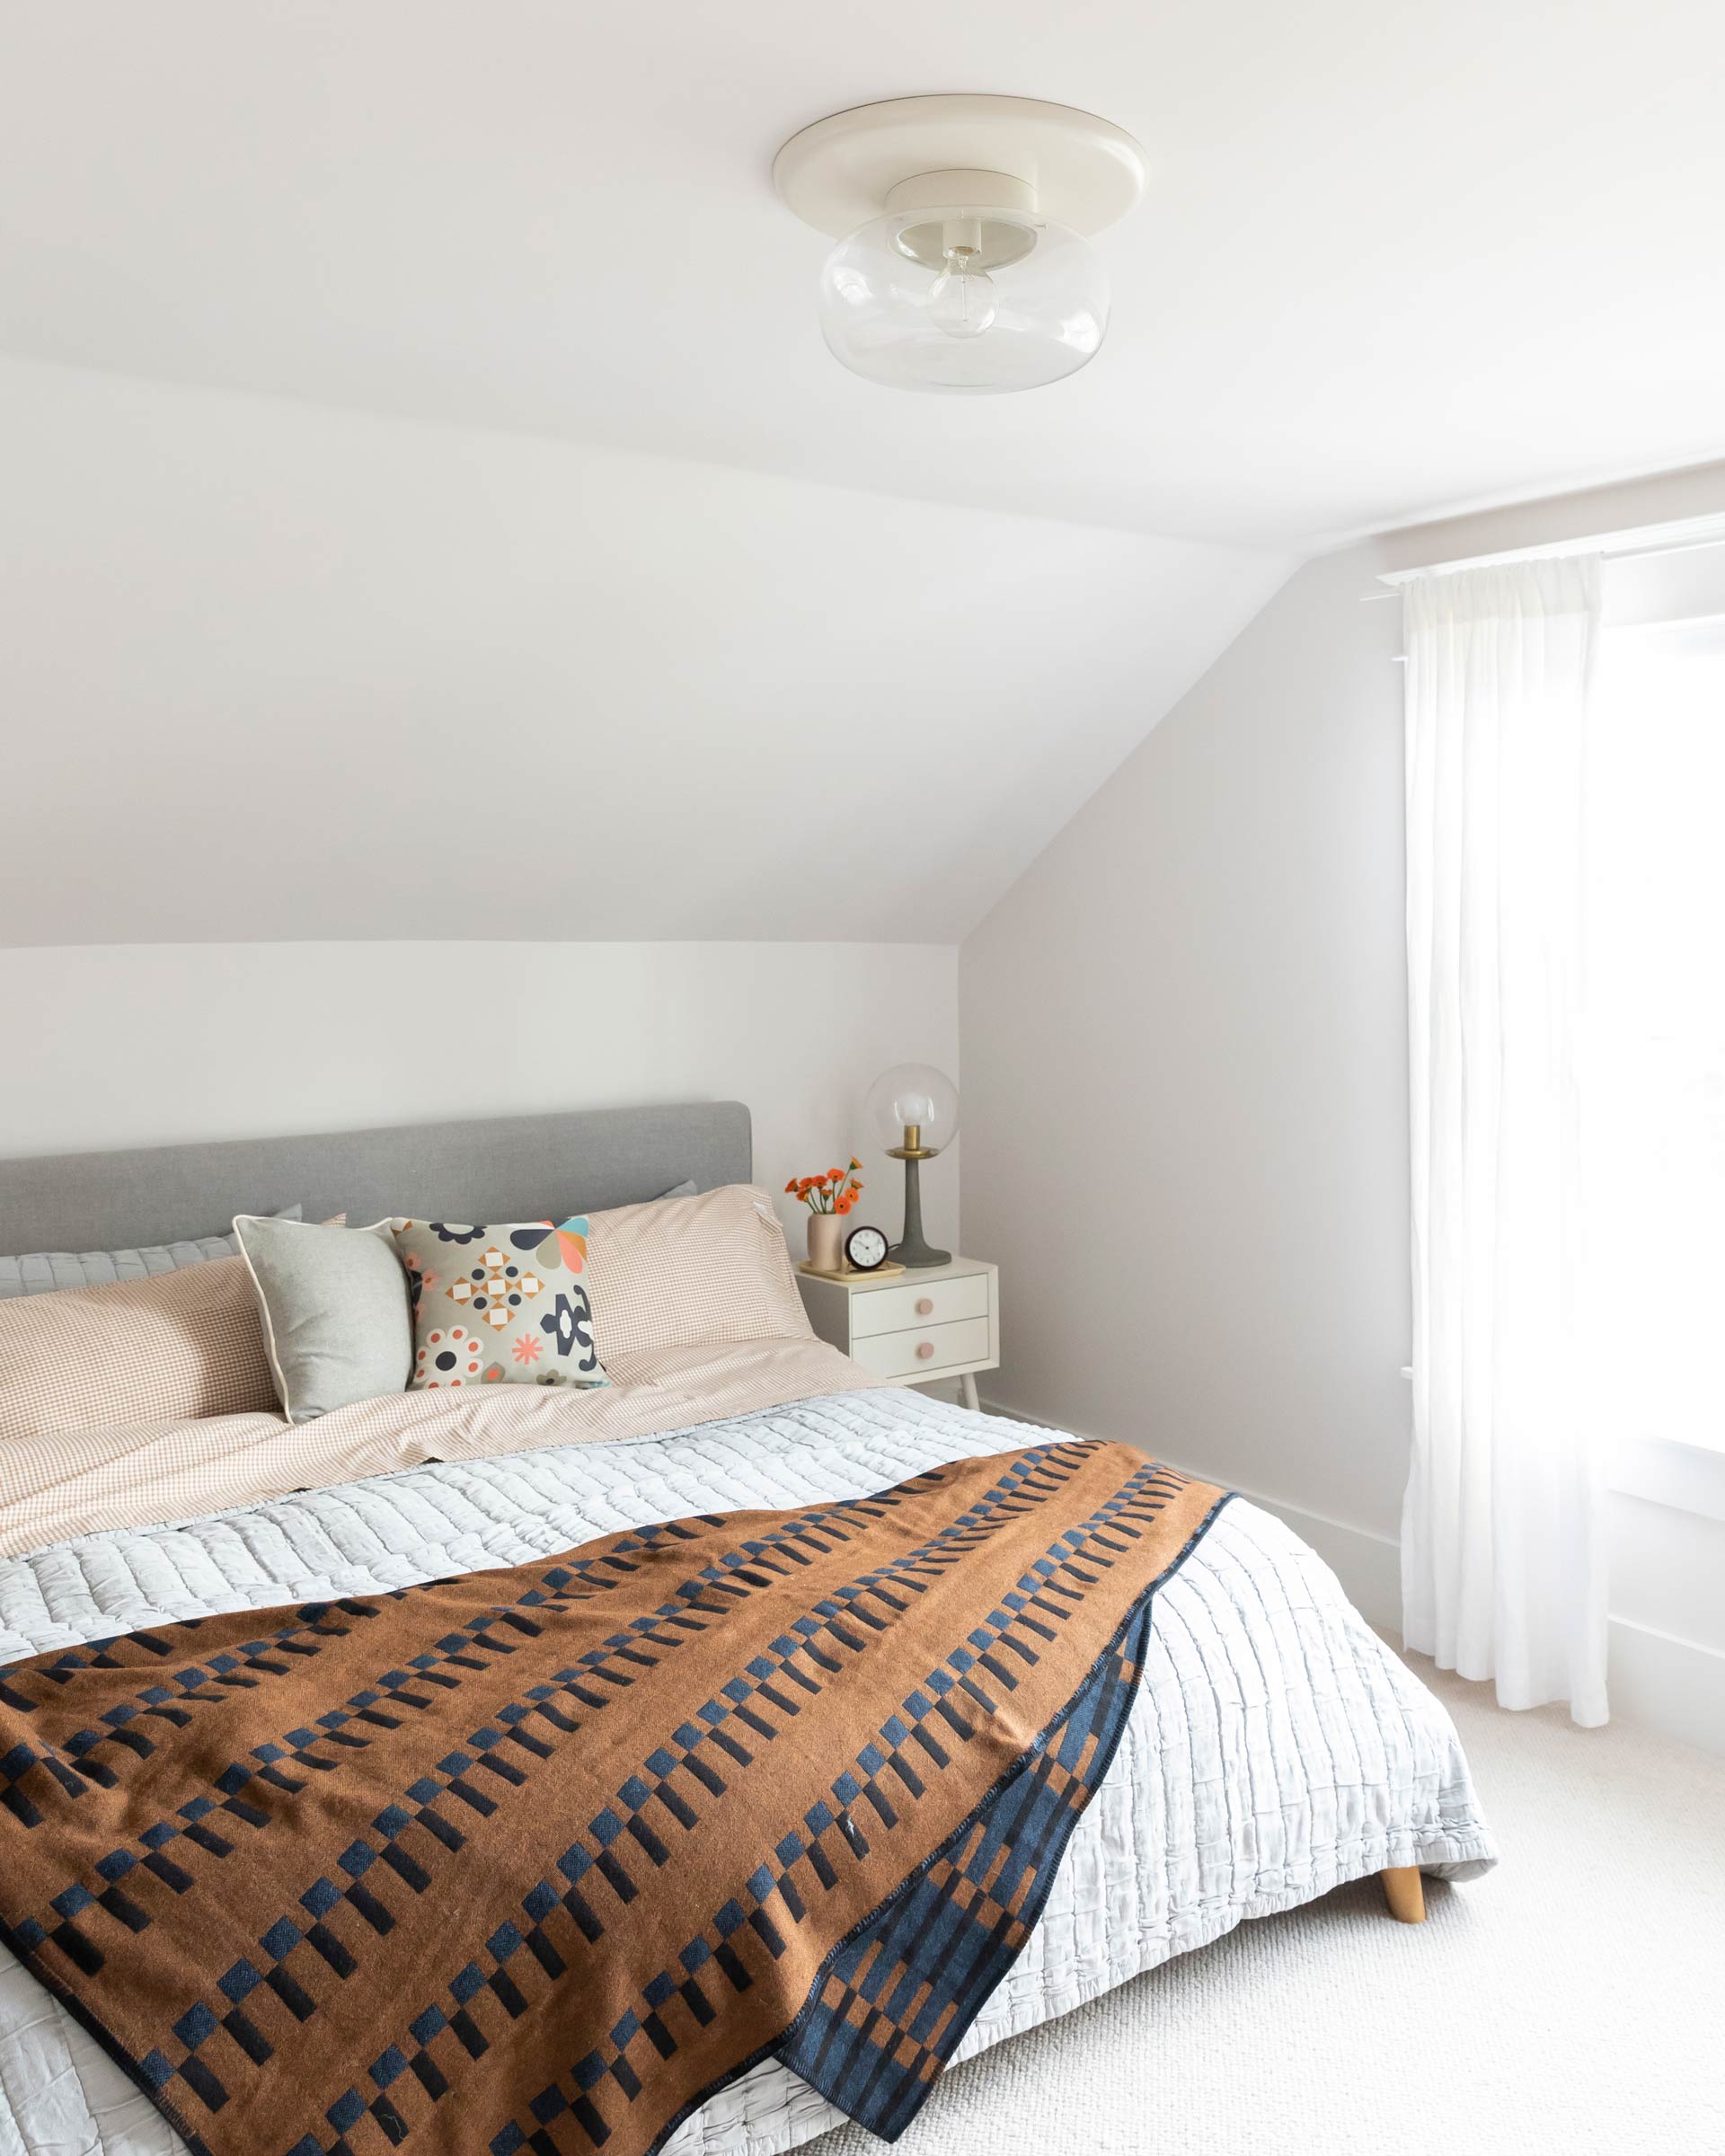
962 224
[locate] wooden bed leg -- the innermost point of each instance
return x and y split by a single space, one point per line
1404 1893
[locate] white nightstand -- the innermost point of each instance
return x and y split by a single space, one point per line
941 1322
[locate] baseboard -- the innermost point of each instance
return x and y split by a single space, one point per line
1656 1680
1367 1565
1675 1686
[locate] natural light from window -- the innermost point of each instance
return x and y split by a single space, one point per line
1654 1108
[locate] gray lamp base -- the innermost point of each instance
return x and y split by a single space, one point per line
911 1250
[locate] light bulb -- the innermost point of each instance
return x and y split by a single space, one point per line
899 304
963 302
913 1094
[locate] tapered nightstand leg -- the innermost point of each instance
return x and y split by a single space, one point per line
968 1389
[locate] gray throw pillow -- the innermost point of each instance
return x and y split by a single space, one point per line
44 1272
337 1324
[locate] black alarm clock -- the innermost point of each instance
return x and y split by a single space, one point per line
866 1249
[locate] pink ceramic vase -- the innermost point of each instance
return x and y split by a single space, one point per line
826 1242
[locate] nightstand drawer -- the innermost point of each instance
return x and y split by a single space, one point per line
938 1302
927 1351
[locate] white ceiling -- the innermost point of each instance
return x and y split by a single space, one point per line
274 673
1394 259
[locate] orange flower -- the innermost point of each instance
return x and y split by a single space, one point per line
855 1164
844 1205
834 1175
791 1186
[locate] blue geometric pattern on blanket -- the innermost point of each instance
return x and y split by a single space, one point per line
404 1765
895 1998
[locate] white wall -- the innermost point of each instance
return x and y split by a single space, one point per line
134 1046
1185 1061
274 671
1184 1039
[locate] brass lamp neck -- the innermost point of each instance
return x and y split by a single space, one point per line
913 1148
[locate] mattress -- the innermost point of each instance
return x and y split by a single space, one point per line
1276 1749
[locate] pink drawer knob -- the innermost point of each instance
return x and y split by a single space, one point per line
924 1348
925 1306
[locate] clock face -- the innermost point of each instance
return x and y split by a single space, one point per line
866 1249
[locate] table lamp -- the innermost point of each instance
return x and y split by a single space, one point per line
914 1111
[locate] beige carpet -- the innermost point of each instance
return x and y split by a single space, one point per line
1573 2000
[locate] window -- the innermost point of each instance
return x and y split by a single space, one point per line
1654 1093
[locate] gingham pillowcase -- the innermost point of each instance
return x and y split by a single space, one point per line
681 1271
172 1349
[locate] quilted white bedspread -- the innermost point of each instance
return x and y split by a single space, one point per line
1276 1748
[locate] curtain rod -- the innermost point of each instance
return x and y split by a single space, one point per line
1629 546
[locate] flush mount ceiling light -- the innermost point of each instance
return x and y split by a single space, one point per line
962 224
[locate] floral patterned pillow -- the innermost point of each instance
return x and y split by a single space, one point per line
499 1305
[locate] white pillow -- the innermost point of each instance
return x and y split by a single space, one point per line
45 1272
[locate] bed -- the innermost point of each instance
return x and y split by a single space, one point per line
1274 1747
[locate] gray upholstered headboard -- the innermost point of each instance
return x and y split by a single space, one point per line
506 1168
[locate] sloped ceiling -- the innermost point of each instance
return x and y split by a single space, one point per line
273 672
1392 261
428 509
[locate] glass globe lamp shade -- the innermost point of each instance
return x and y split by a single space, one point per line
965 300
914 1097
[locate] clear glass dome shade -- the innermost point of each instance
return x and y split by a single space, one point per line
963 299
913 1095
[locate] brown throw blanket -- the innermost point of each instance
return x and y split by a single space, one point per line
539 1858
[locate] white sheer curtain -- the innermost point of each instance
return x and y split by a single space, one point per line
1502 1565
